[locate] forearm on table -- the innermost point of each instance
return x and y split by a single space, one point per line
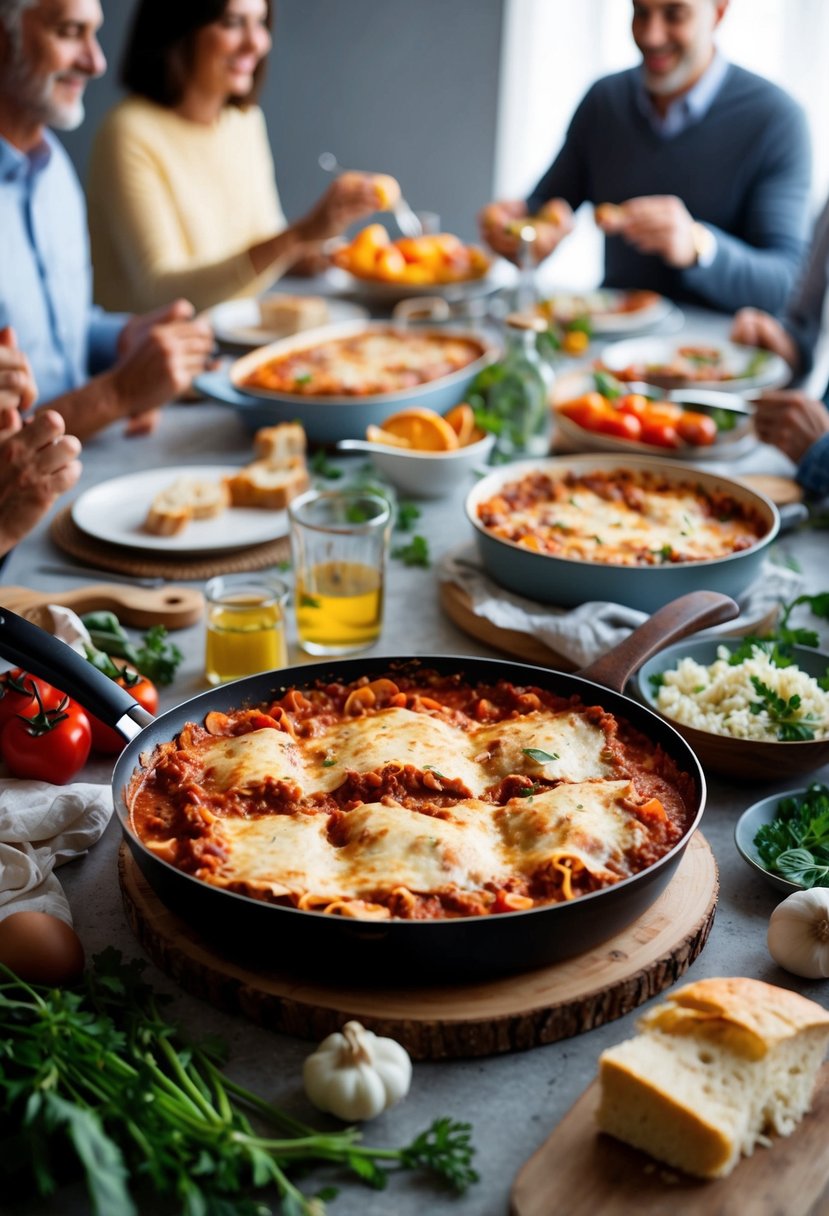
94 406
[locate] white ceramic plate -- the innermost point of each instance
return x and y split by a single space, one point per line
237 321
115 511
373 291
604 309
651 353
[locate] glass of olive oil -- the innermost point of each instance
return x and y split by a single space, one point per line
245 626
339 541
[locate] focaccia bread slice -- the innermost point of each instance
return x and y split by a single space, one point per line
283 444
262 484
719 1066
184 499
286 314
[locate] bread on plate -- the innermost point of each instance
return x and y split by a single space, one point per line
716 1068
184 499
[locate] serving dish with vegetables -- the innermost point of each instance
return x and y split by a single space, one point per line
608 415
695 363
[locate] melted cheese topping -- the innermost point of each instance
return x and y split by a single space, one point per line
246 761
373 361
647 523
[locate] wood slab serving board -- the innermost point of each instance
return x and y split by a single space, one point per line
171 606
602 1177
442 1021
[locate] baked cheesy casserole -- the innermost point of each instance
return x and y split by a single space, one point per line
416 796
620 517
368 362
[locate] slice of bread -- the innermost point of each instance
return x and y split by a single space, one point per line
184 499
262 484
284 314
717 1068
283 444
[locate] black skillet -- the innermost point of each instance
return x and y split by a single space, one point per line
413 951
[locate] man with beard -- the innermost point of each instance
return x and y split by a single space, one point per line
698 169
48 54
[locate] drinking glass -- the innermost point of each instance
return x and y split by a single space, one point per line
245 626
339 541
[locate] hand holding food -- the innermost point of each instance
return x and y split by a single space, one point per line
658 224
350 197
753 327
501 224
791 421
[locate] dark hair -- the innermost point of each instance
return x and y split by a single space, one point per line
159 53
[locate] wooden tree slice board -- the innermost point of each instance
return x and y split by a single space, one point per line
602 1177
458 606
444 1022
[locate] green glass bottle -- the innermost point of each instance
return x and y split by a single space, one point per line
521 396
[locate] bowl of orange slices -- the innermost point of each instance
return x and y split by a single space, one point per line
434 263
423 453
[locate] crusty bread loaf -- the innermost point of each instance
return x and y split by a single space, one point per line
283 444
184 499
284 314
715 1069
262 484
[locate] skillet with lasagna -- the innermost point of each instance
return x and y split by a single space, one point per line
415 795
365 363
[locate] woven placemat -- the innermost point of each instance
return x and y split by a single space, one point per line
68 536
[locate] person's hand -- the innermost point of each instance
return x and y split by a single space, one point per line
753 327
39 462
349 198
500 225
139 326
18 390
161 361
790 420
659 224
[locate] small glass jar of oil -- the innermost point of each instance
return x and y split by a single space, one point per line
245 626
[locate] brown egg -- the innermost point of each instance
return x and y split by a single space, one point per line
40 949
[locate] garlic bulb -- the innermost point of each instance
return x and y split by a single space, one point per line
356 1075
799 933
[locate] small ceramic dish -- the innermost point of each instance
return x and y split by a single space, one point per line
424 474
750 759
749 824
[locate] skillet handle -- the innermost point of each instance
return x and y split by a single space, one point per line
688 614
36 651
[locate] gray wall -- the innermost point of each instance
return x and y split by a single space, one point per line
407 87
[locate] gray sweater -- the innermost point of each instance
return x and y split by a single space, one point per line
743 170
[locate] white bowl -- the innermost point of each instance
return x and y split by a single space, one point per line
424 474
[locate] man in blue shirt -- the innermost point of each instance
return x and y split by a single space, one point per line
48 53
706 167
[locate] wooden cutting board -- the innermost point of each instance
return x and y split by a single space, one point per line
443 1021
602 1177
171 606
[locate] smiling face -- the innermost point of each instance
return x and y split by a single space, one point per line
48 59
227 52
676 38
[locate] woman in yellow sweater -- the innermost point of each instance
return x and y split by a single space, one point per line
182 195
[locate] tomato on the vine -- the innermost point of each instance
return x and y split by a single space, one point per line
104 738
51 744
17 694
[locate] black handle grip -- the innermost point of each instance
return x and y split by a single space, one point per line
36 651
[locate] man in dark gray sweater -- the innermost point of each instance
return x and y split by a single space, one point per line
707 167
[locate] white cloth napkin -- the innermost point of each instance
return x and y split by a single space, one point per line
582 634
41 827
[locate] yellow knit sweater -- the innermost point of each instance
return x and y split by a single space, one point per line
174 206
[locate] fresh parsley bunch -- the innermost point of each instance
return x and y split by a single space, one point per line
796 842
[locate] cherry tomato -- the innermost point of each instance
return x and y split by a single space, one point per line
633 403
17 696
50 745
661 434
624 426
698 429
104 738
586 411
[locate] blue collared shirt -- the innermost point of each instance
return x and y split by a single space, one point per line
45 270
690 107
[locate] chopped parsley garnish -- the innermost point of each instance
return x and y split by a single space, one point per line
796 842
540 757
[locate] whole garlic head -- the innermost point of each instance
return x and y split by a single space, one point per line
798 936
356 1075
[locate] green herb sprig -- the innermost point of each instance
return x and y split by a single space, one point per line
97 1069
793 726
154 656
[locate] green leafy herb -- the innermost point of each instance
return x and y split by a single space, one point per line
154 657
657 681
329 762
783 712
305 378
796 842
407 514
415 553
608 385
540 757
526 791
151 1119
309 601
778 644
430 768
321 466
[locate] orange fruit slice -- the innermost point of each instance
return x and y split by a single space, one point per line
423 430
376 434
461 418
